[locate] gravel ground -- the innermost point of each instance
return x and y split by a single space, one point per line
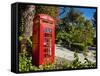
63 53
58 60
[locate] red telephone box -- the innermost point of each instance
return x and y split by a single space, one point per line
43 40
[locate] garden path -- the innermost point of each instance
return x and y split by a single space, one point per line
67 54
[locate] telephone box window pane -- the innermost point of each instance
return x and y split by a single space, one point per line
47 42
47 30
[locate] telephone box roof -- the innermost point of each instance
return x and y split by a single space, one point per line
45 16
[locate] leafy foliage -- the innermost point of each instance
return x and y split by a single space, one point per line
78 46
75 30
25 64
52 10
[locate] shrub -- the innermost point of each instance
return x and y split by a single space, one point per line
78 46
25 64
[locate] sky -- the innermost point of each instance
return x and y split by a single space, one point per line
87 12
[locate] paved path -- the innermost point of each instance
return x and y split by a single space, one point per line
69 55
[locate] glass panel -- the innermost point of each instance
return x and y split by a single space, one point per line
47 42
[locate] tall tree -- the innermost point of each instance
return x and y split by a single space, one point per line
95 25
76 29
50 10
88 33
94 19
26 13
72 24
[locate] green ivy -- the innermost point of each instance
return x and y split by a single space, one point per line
25 64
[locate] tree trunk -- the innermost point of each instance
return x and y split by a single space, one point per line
27 13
